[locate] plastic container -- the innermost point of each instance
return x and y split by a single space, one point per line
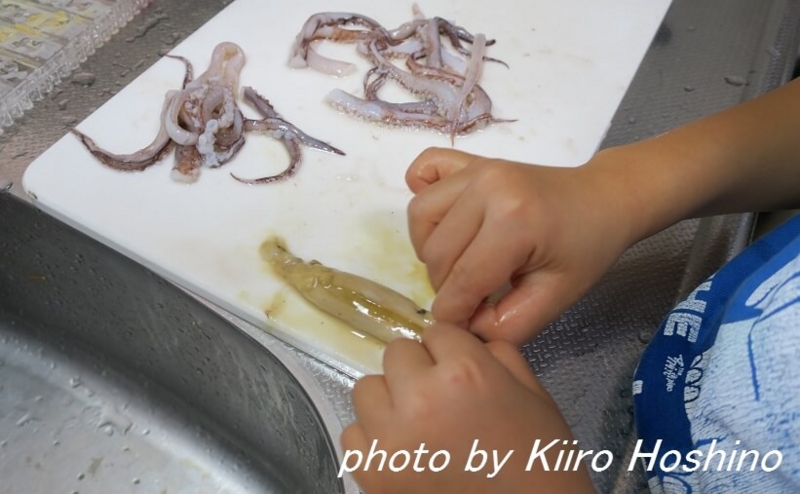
42 41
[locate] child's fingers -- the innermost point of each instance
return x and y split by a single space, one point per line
450 239
533 302
354 438
447 341
371 400
405 363
479 271
434 164
428 208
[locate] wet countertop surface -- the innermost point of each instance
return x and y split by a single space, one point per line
706 56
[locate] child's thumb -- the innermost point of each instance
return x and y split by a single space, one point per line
532 303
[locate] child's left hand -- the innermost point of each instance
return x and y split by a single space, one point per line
444 394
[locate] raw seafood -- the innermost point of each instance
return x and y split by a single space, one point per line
204 122
365 305
140 159
288 134
446 85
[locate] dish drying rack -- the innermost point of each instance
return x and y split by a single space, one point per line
43 41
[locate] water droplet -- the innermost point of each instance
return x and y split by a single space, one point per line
631 120
691 28
25 419
735 80
644 335
136 481
146 432
112 420
83 79
75 381
81 476
92 415
688 89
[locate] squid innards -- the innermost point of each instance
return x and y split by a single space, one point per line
366 306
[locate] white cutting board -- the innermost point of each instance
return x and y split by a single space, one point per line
570 64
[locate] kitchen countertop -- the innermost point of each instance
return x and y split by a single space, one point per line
706 56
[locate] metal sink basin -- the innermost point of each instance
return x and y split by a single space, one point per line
114 380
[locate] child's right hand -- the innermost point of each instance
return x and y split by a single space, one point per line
479 223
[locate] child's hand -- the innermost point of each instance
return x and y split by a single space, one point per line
447 392
479 223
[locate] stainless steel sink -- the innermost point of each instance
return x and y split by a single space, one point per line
114 380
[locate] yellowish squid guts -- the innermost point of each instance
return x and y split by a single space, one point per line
366 306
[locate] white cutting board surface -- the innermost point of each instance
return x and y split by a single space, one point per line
570 64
